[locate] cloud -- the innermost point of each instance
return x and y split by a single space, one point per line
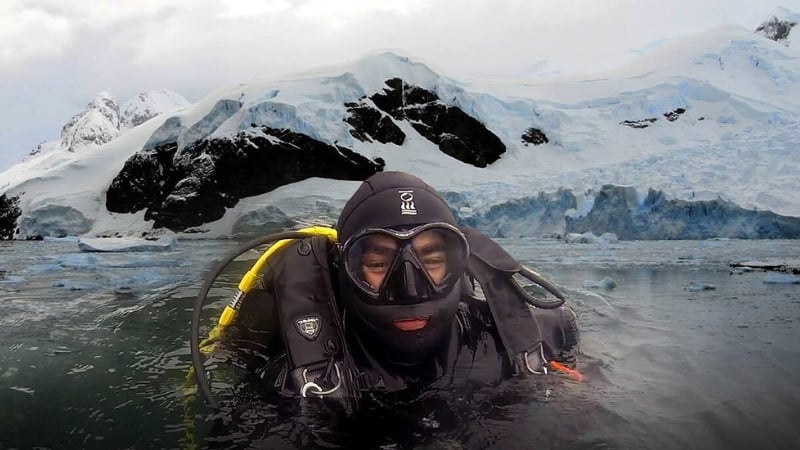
35 29
27 33
61 53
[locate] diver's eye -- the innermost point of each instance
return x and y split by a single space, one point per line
376 265
434 261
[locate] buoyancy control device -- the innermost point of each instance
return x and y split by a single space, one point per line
315 342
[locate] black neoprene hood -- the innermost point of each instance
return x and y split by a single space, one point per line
391 199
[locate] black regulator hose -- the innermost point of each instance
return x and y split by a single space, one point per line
208 281
547 285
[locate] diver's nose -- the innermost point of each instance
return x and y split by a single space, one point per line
409 279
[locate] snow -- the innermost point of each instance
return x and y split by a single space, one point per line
736 139
147 105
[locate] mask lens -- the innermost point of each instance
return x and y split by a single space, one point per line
409 266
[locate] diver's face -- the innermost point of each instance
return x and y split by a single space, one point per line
381 249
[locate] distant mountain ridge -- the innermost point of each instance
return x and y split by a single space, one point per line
104 120
696 139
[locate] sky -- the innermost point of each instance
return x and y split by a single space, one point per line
55 56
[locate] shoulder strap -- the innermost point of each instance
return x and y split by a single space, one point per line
493 268
553 331
318 359
302 288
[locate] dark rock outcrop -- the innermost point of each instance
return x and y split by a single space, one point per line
776 29
642 123
455 132
194 186
141 182
673 115
9 214
534 136
370 124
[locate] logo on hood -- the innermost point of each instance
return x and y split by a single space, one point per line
309 327
407 207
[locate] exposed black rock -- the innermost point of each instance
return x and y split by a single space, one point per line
141 182
182 189
673 115
38 149
534 136
368 123
643 123
455 132
9 214
776 29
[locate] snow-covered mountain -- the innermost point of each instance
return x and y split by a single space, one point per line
147 105
697 138
104 120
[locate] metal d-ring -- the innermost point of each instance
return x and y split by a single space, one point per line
544 362
317 390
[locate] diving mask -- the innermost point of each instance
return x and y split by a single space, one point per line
406 266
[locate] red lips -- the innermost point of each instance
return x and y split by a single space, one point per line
414 324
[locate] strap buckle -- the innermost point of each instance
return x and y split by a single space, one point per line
316 389
544 362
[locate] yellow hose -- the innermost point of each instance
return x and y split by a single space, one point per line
249 278
226 318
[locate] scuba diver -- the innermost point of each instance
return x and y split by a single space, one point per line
400 301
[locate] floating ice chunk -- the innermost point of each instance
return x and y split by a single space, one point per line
60 350
12 279
80 369
607 238
781 278
127 245
38 269
605 283
78 261
695 286
585 238
26 390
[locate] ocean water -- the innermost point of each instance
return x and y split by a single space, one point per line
684 353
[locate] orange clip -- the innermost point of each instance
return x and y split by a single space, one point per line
574 374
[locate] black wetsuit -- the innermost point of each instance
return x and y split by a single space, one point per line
473 352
